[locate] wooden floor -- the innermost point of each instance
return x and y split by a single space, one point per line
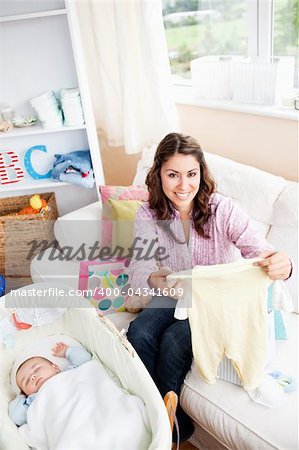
187 446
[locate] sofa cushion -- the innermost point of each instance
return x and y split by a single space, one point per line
285 209
254 190
226 412
45 268
144 164
80 226
123 320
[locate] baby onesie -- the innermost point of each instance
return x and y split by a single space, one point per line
228 316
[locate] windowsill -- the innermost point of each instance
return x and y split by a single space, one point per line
184 95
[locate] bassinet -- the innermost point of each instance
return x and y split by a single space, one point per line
98 336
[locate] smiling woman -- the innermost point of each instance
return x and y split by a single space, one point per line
196 226
180 177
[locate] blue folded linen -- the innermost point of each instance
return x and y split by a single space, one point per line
74 167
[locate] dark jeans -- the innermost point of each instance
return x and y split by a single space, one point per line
163 343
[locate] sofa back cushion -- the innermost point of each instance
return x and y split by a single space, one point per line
254 190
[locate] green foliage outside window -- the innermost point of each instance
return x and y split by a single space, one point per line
219 27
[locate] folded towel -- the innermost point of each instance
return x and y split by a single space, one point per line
74 167
79 160
77 178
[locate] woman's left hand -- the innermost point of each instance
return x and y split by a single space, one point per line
277 264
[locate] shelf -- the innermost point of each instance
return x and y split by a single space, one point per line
27 185
55 60
54 12
37 129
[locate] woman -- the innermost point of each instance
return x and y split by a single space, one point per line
195 226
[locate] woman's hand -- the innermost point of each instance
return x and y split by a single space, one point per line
158 281
277 264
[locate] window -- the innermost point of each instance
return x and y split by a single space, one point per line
197 28
286 31
251 28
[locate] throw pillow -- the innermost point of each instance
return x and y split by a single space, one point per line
138 193
123 215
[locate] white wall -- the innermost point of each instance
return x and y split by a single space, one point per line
270 144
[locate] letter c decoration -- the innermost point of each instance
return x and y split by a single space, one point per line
28 166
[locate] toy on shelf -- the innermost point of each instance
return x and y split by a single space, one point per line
36 205
5 125
24 121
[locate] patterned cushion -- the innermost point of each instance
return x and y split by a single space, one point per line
138 193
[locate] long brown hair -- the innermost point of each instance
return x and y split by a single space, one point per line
172 144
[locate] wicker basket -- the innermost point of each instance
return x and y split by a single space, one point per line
18 232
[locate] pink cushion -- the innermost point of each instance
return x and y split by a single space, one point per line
139 193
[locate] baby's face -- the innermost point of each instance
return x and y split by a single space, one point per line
33 373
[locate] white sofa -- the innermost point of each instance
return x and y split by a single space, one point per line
223 414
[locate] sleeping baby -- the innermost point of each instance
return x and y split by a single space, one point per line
35 371
58 408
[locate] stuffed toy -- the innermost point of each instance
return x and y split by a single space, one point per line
36 205
5 125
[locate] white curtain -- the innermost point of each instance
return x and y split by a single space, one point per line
131 81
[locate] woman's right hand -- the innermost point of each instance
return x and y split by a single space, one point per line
158 281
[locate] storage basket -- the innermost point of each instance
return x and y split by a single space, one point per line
18 231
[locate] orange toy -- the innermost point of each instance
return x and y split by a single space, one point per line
36 205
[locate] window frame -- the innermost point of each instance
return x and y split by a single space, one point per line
260 15
260 34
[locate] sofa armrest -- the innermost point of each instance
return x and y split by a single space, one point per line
83 226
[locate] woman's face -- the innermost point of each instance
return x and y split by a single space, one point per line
180 177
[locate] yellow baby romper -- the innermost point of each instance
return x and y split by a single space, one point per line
229 317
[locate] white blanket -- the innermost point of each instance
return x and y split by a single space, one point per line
83 409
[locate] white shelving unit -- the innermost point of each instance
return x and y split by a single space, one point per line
55 12
41 50
36 129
